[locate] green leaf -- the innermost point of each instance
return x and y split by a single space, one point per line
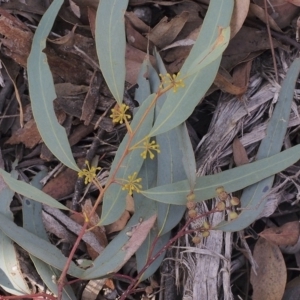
42 92
11 277
169 160
143 90
32 221
37 246
142 255
179 106
114 201
118 252
113 256
254 198
170 170
111 44
29 191
188 157
212 53
232 180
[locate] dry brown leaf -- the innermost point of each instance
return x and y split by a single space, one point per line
135 39
129 204
239 14
282 11
286 235
92 20
241 74
91 99
138 234
67 40
259 12
164 33
28 135
119 224
225 85
18 38
134 59
69 89
269 283
239 153
62 185
136 22
99 231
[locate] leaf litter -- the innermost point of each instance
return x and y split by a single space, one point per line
236 108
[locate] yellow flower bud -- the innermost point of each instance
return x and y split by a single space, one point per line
196 240
232 215
192 214
235 201
205 234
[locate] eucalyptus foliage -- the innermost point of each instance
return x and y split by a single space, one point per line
155 161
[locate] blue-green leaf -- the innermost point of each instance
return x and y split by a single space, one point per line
11 277
188 156
32 221
114 255
254 197
111 43
42 92
37 246
115 198
29 191
179 106
143 90
232 180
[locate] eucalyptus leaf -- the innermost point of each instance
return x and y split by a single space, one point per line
11 277
32 221
232 180
37 246
142 255
143 90
179 106
254 198
188 156
29 191
111 44
113 256
42 91
114 201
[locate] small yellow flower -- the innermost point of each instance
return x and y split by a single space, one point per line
119 114
132 184
149 147
89 173
173 80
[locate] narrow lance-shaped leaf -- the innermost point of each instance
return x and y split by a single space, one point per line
114 201
113 256
169 161
179 106
11 278
42 92
32 221
232 180
111 44
254 197
37 246
29 191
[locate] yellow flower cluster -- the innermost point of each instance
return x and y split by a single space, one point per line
132 184
119 114
173 81
89 173
149 148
